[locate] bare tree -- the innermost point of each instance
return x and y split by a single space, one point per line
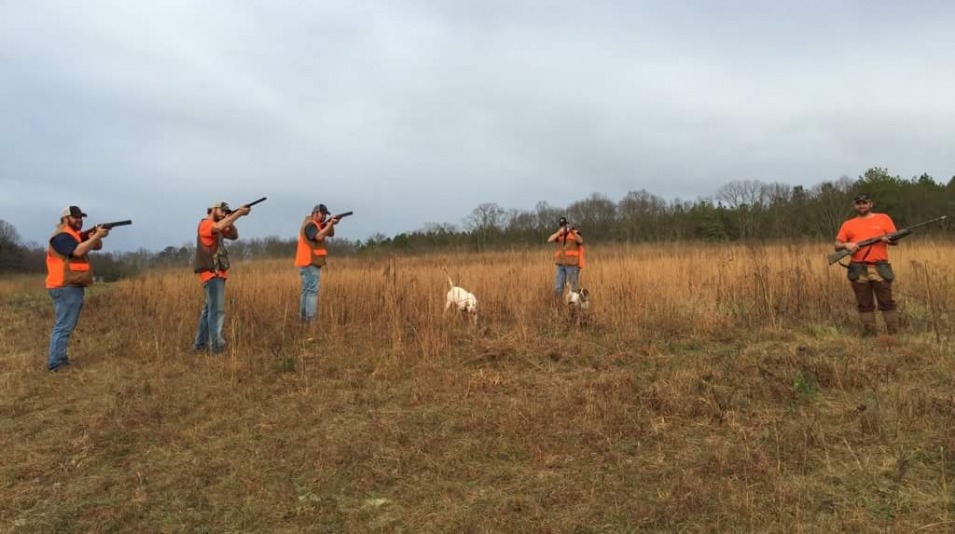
547 216
439 228
747 201
486 221
11 252
486 216
639 215
595 215
8 234
737 193
831 206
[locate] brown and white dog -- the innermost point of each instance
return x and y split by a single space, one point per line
579 300
461 300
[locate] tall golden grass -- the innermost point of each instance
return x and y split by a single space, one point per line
708 388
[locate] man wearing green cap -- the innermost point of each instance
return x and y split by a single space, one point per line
212 265
310 258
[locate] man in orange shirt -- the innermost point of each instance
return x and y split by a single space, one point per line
212 265
870 271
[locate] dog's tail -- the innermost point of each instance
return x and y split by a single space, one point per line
446 273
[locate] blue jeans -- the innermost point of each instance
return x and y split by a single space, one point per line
308 306
209 335
67 303
566 274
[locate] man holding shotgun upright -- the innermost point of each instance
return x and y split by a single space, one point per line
212 265
869 271
310 257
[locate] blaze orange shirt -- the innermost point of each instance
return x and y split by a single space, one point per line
862 228
208 238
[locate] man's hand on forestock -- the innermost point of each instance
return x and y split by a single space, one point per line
99 233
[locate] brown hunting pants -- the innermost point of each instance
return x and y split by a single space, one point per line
870 283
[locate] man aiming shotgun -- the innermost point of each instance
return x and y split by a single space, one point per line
310 256
212 265
568 257
68 274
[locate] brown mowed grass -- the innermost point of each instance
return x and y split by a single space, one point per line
710 388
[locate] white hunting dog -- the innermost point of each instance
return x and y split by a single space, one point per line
464 301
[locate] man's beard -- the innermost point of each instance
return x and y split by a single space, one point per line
76 225
863 211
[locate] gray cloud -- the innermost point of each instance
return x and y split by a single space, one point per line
419 112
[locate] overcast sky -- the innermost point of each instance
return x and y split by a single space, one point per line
417 111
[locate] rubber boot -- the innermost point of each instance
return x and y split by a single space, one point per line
868 324
891 318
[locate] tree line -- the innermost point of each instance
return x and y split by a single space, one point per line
740 210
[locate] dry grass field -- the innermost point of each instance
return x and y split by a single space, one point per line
709 389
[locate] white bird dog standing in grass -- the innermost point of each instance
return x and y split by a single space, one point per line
462 300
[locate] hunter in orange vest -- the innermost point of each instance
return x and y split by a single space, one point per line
211 263
568 257
310 257
68 272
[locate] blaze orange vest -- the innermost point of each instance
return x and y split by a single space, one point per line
205 257
62 271
310 252
569 252
210 261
